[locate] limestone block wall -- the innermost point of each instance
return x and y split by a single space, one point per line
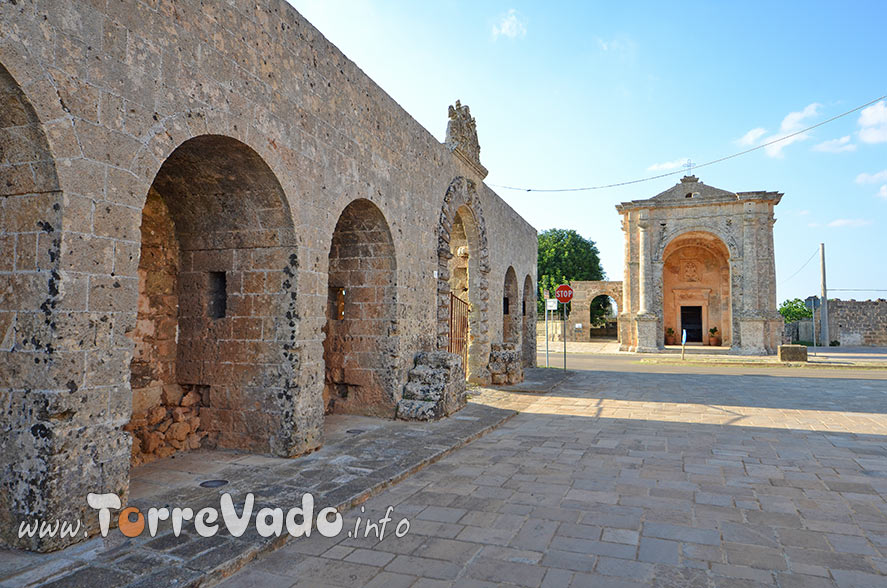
856 322
257 133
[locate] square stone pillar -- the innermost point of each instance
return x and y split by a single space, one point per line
648 330
753 337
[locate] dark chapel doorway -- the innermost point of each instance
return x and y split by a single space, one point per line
691 321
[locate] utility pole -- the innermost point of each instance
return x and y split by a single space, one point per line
823 306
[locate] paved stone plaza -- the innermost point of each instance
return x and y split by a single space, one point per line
638 475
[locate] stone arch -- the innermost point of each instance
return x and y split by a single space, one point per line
511 317
585 293
603 330
670 235
461 208
217 323
41 410
694 285
361 317
528 314
25 158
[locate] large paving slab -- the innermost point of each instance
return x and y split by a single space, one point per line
637 475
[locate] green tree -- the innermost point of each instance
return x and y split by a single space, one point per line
565 256
794 310
600 311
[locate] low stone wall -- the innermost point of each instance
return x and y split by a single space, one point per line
852 323
169 425
857 322
505 364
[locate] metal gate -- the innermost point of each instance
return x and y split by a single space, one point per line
459 329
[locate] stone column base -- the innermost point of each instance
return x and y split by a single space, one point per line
752 337
648 331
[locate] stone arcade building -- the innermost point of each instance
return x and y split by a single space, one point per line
697 257
214 230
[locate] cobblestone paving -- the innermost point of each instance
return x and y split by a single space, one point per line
361 455
631 478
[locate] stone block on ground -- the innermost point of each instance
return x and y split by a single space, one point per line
506 365
435 387
792 353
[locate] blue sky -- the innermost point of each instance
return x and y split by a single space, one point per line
590 93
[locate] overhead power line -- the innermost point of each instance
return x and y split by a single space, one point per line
706 164
815 253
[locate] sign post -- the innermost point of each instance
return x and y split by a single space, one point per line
564 294
683 342
550 304
813 302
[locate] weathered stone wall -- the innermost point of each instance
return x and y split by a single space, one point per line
856 322
851 323
103 97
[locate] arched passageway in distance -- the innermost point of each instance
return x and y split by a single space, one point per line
511 315
696 292
602 319
213 364
361 317
528 328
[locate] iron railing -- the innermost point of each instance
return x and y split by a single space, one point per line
459 329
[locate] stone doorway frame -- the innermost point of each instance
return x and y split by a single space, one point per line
461 199
717 246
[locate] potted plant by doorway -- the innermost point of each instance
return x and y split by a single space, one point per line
713 339
669 336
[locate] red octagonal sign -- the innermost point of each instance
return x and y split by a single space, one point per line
563 293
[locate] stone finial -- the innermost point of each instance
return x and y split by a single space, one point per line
689 180
462 137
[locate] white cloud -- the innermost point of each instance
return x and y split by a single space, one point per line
751 137
835 145
803 213
511 25
882 193
622 47
873 123
874 178
667 165
849 222
792 123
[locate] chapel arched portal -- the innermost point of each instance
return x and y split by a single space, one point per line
696 288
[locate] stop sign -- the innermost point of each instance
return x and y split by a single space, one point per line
563 293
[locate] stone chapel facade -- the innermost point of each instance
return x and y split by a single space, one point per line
698 257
